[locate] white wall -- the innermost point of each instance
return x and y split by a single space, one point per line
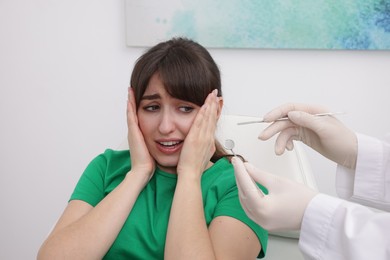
64 72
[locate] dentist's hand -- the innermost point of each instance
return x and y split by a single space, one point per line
325 134
284 205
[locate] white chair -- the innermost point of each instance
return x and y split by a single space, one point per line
292 164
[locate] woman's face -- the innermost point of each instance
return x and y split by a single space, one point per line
164 122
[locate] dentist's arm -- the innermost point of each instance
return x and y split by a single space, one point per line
331 228
361 180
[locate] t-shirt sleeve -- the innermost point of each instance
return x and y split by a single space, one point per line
90 187
230 206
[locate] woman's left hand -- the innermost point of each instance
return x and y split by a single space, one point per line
199 145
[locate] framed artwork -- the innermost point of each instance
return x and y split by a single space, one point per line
269 24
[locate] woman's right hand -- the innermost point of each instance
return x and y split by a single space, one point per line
141 160
199 144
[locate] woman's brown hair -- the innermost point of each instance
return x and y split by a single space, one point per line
187 71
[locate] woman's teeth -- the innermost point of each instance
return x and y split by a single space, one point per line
170 143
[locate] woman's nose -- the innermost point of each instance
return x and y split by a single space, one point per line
167 123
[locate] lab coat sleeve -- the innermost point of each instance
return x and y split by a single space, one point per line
333 228
369 184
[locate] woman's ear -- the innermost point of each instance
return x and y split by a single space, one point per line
220 106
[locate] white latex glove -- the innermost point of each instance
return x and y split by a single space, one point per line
325 134
284 205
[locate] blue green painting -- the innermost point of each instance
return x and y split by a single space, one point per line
281 24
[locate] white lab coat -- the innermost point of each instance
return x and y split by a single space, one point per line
333 228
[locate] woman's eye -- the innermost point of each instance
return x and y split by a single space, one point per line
151 108
186 109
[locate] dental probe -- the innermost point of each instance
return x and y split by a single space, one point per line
286 118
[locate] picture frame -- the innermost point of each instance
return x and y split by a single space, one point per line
270 24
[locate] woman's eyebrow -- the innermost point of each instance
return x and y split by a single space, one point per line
151 97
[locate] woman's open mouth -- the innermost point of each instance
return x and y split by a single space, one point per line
169 147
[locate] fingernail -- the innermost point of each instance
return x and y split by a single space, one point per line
290 145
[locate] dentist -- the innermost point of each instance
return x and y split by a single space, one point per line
331 228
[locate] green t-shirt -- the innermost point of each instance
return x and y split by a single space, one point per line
144 232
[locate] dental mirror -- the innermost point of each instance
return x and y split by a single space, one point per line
229 145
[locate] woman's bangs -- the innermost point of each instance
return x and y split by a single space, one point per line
183 81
